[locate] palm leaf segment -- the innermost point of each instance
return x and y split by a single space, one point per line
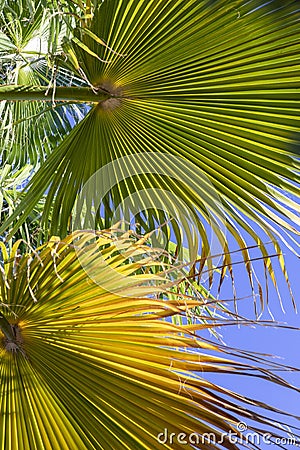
214 83
30 40
90 364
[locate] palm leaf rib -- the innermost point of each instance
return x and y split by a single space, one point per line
96 368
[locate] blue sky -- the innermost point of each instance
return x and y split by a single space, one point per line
284 343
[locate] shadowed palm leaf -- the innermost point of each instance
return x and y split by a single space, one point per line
30 39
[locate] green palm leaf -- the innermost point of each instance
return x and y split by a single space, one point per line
12 182
90 364
29 41
186 80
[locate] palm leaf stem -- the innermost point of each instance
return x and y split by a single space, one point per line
42 93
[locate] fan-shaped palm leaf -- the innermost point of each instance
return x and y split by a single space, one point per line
89 364
214 83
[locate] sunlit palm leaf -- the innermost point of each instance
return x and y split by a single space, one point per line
213 82
90 364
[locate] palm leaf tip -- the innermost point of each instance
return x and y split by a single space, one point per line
80 339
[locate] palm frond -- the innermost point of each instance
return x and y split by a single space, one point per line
30 130
12 182
190 85
90 364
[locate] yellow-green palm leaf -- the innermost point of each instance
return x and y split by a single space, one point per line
90 364
212 82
